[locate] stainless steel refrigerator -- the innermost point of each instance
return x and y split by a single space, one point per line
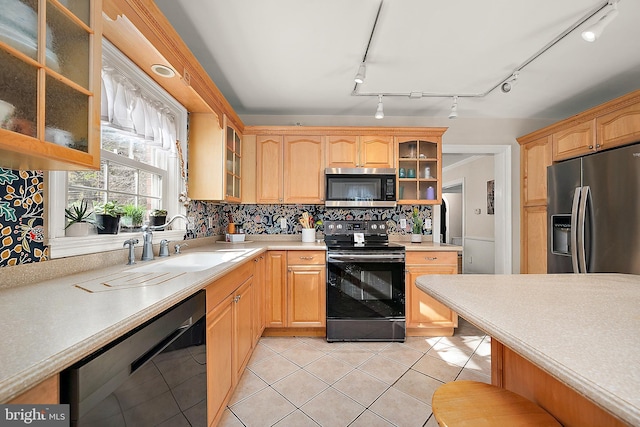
594 213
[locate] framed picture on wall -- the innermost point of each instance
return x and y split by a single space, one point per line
490 196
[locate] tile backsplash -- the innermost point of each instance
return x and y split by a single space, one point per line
22 231
264 219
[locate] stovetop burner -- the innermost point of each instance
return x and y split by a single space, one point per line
358 235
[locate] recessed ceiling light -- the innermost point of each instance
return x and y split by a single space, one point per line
163 70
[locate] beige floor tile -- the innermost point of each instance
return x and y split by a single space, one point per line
369 419
454 355
479 363
373 346
402 354
484 349
296 419
422 344
332 409
437 368
383 369
320 343
303 354
468 344
471 375
229 419
328 369
401 409
249 384
264 408
300 387
354 356
361 387
280 344
260 353
432 422
274 369
418 385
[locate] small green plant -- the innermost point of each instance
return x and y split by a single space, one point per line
112 208
78 212
136 213
158 212
417 222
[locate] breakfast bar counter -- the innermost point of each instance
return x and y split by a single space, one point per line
570 343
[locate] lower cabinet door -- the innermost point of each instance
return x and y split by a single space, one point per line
243 325
275 289
307 296
219 359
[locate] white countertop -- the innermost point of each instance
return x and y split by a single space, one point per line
582 329
49 325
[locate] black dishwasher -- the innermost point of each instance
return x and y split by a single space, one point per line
154 374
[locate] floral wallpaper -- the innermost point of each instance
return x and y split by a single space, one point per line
21 217
264 219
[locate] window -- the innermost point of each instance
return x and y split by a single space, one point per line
140 162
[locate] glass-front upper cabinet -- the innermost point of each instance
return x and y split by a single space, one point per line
233 178
419 171
50 56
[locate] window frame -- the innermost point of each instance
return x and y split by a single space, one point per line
56 182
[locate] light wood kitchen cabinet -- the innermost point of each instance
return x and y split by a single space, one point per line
44 393
350 151
425 315
619 127
269 185
50 116
303 169
229 334
307 295
574 141
534 240
214 159
419 171
258 297
296 289
535 157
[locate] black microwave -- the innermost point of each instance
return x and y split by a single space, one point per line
360 187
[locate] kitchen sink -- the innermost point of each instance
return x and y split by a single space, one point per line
189 262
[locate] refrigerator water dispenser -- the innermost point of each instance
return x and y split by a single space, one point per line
561 236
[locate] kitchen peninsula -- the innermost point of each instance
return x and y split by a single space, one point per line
567 342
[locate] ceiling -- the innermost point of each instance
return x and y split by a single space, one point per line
299 57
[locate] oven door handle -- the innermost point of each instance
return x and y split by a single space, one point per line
365 257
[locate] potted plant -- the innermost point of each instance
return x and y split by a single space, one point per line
132 217
416 229
158 217
79 219
108 217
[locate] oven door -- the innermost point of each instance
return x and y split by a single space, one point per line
365 286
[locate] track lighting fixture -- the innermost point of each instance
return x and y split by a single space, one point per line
508 84
454 108
379 112
592 33
362 73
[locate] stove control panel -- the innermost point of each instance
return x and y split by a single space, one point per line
332 228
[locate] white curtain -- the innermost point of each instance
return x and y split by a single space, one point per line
124 106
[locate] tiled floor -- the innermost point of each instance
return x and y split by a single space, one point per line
308 382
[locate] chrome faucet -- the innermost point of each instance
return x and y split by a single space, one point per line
147 236
131 243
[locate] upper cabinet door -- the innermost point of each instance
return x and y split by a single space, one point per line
376 152
619 127
342 151
535 156
303 169
574 141
269 186
50 113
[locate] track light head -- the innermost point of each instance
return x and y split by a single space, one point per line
379 111
508 84
454 108
362 73
592 33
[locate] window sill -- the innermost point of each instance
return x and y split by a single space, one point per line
61 247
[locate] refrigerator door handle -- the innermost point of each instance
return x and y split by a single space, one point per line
574 229
582 211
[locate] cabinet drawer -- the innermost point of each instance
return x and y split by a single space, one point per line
305 257
431 258
218 290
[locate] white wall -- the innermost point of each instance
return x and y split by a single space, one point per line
462 131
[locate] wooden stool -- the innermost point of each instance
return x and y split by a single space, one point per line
471 403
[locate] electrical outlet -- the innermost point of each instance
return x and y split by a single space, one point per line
403 222
191 223
283 222
210 222
470 259
427 223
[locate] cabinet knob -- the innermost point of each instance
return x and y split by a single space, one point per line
598 145
591 147
237 298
